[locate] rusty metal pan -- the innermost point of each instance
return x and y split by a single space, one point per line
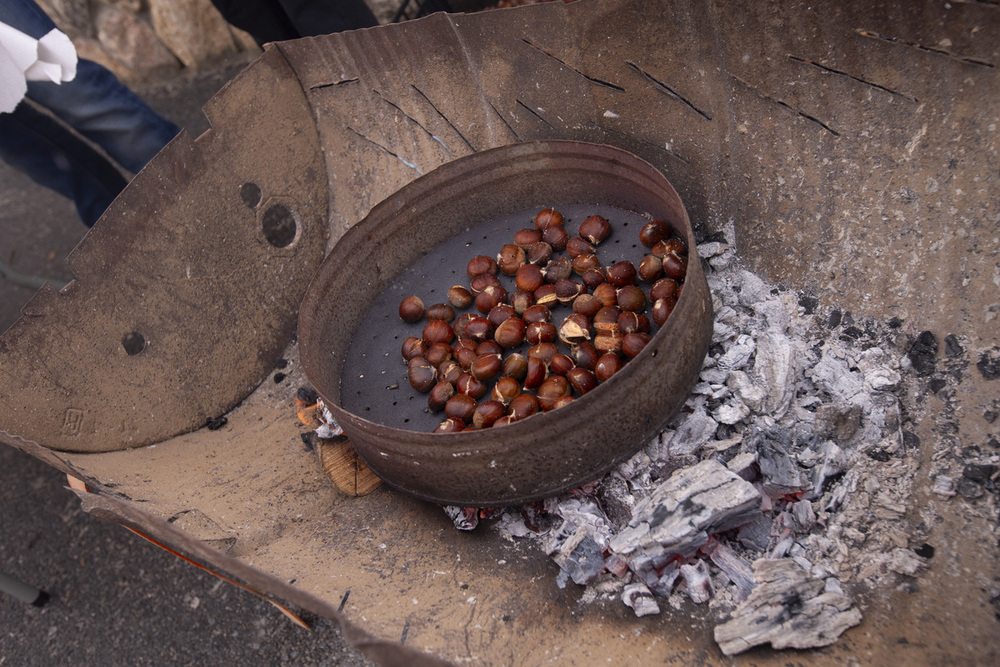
546 453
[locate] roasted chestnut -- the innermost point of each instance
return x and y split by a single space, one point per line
411 309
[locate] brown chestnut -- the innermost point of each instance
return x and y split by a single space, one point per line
633 343
548 217
487 412
464 356
510 333
486 366
413 347
664 288
556 236
631 298
567 290
460 406
540 332
577 246
522 406
629 322
583 263
595 229
459 297
574 329
558 268
439 395
622 273
481 282
511 258
554 386
421 373
650 268
560 364
449 371
581 380
606 320
478 329
586 304
490 298
662 309
529 277
505 390
521 300
593 277
437 353
479 265
607 294
607 366
537 371
585 355
450 426
653 232
440 311
469 384
546 296
537 313
489 347
514 366
499 313
527 236
462 321
543 351
609 342
411 309
538 253
437 331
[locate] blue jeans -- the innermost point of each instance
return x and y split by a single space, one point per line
94 104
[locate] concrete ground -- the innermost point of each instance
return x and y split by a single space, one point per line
115 598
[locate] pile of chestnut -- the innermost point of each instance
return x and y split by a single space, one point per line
569 325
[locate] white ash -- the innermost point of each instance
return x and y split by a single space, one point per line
797 424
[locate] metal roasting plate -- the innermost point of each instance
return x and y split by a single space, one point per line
441 218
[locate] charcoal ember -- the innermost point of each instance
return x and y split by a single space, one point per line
775 363
577 554
923 353
755 534
905 562
751 288
736 568
689 436
750 393
989 364
640 599
776 450
832 462
835 377
585 511
616 500
981 473
944 485
775 313
464 518
838 421
738 354
803 515
616 566
697 581
677 518
511 525
731 413
787 609
878 375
